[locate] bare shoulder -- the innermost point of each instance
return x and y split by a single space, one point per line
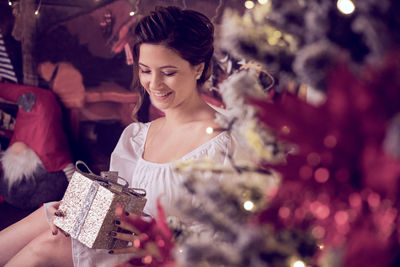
209 125
211 119
155 126
157 122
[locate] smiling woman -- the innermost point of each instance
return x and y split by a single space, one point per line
188 34
168 85
172 51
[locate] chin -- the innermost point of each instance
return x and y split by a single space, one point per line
159 105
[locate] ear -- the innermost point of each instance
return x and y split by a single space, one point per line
199 69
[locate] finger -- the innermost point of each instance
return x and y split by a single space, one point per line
133 219
127 226
58 213
53 228
124 215
63 232
55 206
125 237
137 253
55 211
119 211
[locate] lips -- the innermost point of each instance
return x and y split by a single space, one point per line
161 94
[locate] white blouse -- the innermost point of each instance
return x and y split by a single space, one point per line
158 179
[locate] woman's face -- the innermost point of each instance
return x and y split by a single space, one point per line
169 79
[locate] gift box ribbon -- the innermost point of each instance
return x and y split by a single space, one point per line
109 179
85 209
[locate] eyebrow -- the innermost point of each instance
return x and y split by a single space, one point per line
163 67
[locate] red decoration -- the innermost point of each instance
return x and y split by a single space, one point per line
157 231
41 128
339 183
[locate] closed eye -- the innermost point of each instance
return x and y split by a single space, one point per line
144 71
169 74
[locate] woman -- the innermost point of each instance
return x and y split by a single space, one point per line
172 51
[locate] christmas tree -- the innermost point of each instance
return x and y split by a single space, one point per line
321 185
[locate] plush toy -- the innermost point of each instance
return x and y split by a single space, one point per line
37 163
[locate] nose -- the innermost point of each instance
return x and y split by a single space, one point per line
155 81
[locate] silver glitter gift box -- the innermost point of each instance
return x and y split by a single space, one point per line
88 207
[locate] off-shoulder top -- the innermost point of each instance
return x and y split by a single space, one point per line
158 179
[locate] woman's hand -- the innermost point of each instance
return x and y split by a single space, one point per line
152 240
142 246
55 212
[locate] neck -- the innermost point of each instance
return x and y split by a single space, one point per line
194 110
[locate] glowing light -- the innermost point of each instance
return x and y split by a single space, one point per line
262 2
341 217
248 205
374 200
346 6
147 259
319 210
161 243
321 247
321 175
298 263
38 8
136 243
285 130
318 232
284 212
209 130
249 4
9 3
355 200
330 141
277 34
132 13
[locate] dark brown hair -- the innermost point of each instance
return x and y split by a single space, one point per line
189 33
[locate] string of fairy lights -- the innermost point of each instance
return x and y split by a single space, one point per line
39 5
345 6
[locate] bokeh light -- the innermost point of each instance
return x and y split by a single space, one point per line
346 6
249 4
298 263
330 141
248 205
321 175
284 212
209 130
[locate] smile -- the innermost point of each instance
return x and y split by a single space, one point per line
161 94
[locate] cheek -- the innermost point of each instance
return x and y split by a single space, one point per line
179 82
143 81
171 83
